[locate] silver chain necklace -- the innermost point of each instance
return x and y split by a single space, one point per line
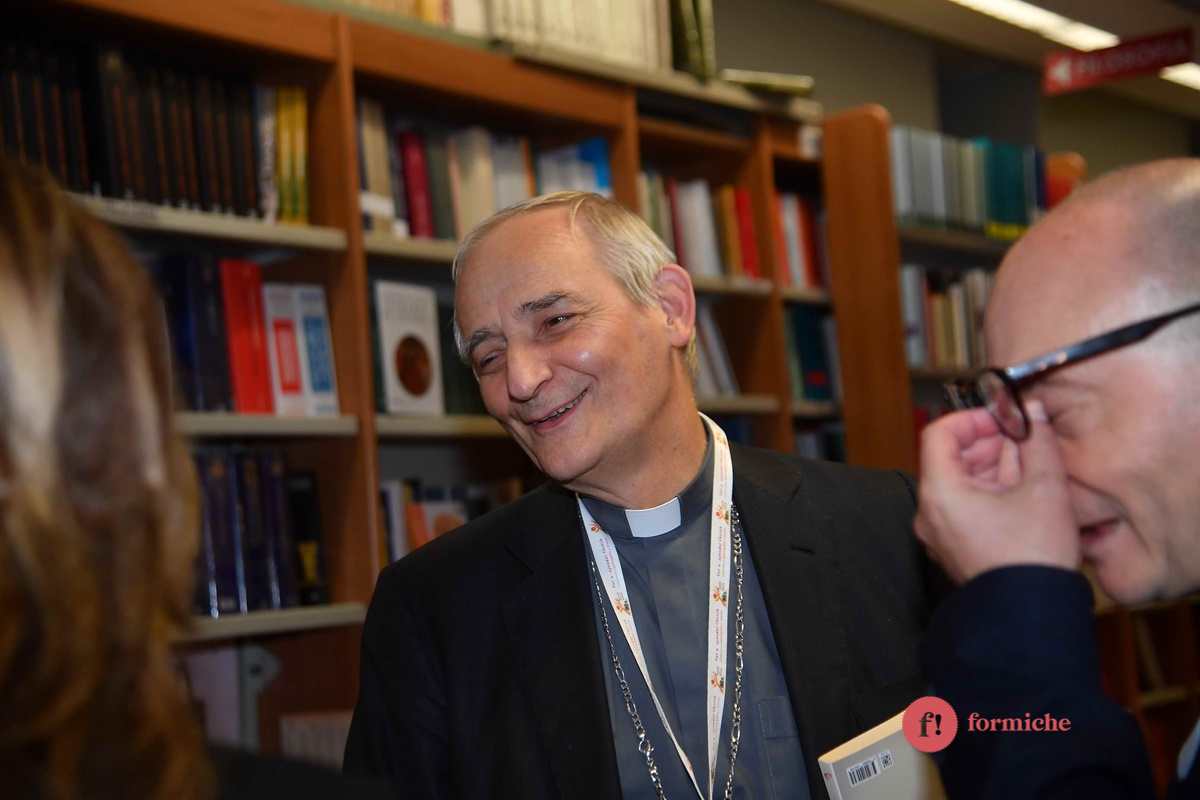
739 628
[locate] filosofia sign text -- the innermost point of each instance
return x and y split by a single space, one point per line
1067 71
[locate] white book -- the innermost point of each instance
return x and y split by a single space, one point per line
469 17
879 764
283 350
900 141
912 302
316 351
789 210
409 348
953 183
922 175
268 176
714 344
972 217
937 178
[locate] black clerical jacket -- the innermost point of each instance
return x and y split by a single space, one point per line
481 670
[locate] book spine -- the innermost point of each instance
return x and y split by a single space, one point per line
206 144
56 133
284 149
416 175
316 350
190 150
223 140
156 119
281 548
287 383
300 136
267 121
135 134
241 286
222 524
305 512
254 534
213 390
34 119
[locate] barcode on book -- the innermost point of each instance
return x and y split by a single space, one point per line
862 772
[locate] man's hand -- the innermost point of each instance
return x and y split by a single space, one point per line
987 501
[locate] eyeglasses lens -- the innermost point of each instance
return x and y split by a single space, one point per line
1002 402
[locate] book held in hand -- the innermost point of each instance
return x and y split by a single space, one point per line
879 764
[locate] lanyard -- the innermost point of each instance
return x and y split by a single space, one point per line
608 565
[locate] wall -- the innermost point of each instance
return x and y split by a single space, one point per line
857 60
854 60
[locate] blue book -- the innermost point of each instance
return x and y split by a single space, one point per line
281 547
222 532
255 556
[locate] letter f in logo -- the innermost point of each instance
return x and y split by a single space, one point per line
926 718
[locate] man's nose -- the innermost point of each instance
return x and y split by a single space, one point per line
527 371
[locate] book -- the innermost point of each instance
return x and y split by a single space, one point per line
801 85
281 546
304 508
317 368
879 764
224 568
287 381
241 287
408 348
256 575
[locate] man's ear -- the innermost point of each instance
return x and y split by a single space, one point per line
678 301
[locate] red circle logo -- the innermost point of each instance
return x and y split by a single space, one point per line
930 724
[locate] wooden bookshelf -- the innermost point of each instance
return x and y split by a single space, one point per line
443 427
800 294
430 251
742 286
947 240
242 426
134 215
942 374
269 623
554 97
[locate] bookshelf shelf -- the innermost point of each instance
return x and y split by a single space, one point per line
676 83
815 297
148 217
953 241
745 287
807 409
941 374
435 251
742 404
663 137
219 425
266 623
449 426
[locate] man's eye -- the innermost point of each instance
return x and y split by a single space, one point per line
558 320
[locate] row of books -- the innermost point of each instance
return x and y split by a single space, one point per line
711 229
415 512
800 241
654 34
428 180
717 377
261 546
943 316
104 122
978 184
245 346
810 340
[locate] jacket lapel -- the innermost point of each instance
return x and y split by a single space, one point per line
787 537
551 624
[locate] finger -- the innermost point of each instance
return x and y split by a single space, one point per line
1008 465
1039 456
983 455
943 442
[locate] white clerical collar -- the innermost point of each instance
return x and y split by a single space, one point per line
647 522
643 523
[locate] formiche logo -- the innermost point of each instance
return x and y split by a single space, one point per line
930 724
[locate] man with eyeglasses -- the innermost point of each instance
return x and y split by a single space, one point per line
1087 447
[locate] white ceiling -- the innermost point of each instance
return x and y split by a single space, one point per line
941 19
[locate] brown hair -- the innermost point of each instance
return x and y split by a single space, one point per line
98 514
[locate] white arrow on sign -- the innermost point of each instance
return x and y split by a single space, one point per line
1060 73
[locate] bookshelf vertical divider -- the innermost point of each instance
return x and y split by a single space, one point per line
864 255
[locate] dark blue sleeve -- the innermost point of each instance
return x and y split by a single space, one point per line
1017 640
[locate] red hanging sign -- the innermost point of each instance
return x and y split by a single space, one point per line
1070 70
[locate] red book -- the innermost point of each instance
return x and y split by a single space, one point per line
673 197
808 240
745 225
246 333
416 183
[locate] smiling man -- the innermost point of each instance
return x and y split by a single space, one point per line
671 614
1089 448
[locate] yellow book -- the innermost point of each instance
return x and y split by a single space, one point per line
300 136
283 153
880 764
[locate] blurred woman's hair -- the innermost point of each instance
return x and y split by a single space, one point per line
98 515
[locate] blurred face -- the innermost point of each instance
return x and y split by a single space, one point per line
584 379
1127 422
